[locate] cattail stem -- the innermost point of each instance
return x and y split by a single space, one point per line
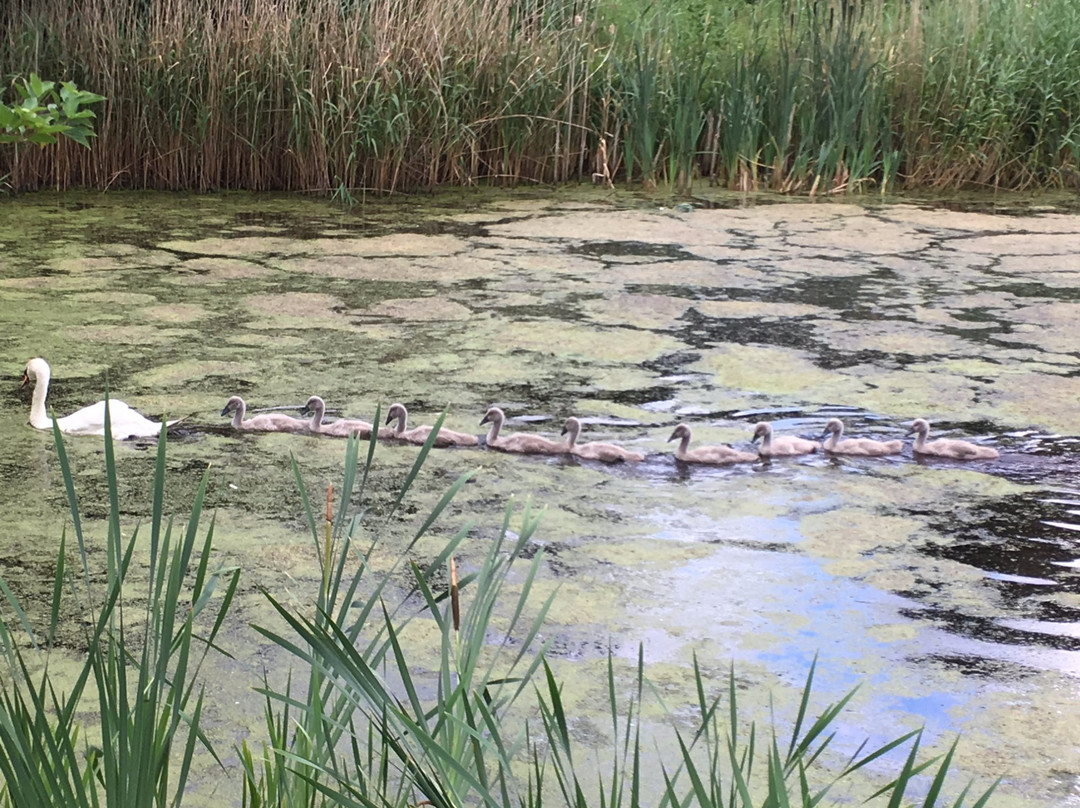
455 599
328 540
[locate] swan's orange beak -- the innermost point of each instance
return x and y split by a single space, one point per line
25 379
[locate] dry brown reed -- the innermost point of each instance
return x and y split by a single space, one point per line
303 94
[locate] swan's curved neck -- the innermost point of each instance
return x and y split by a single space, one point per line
766 439
831 441
572 432
39 418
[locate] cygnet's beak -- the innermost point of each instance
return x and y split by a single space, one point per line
669 440
305 410
564 431
484 420
225 410
755 439
389 418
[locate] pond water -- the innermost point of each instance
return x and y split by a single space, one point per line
950 590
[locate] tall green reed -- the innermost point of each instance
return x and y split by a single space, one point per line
370 738
684 120
737 102
723 762
1001 111
141 665
641 94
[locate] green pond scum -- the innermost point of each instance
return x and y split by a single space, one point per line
950 591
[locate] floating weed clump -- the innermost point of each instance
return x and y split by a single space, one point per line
347 99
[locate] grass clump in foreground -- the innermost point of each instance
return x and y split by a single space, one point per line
343 97
366 725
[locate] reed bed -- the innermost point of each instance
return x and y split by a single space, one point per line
347 97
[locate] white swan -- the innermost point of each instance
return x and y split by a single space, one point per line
713 455
947 447
864 447
419 434
125 422
783 445
604 452
263 422
341 428
518 442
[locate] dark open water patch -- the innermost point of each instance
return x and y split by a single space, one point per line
978 667
631 249
857 296
1027 545
988 629
1025 535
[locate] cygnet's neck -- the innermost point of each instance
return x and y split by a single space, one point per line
920 439
402 416
766 438
318 410
496 425
684 444
238 414
836 433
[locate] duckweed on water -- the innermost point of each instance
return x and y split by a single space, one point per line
773 372
215 271
764 565
420 309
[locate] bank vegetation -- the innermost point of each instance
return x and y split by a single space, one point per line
347 97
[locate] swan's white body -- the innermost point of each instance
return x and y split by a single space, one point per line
604 452
518 442
782 445
341 428
419 434
263 422
947 447
125 422
863 447
712 455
